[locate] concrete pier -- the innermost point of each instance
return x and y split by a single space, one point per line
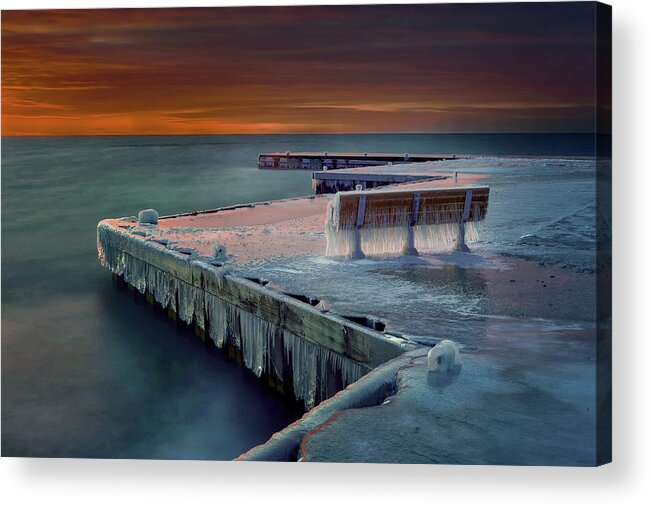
342 160
350 339
242 312
336 181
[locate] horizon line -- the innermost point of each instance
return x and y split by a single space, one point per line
310 133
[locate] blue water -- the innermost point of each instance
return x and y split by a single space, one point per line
89 371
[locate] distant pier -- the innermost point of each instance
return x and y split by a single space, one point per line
336 160
333 182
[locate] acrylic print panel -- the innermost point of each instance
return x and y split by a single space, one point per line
323 233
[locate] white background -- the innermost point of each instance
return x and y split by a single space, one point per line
626 481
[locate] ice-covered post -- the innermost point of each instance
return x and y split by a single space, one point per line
219 252
356 252
443 357
461 240
410 248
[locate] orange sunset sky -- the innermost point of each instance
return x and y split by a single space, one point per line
408 68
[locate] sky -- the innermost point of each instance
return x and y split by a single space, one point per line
338 69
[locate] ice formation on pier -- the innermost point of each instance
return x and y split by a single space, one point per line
443 357
316 372
387 233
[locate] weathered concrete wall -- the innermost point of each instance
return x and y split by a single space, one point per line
319 352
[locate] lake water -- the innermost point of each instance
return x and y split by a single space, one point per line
89 371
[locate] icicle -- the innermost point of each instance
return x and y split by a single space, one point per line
216 310
386 233
310 363
186 303
255 344
164 288
303 367
266 348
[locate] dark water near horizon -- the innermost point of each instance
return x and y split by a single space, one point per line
89 372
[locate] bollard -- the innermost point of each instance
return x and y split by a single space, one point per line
148 217
443 357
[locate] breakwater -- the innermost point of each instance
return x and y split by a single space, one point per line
311 353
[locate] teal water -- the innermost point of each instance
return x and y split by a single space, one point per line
87 371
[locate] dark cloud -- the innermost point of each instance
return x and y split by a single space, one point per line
465 67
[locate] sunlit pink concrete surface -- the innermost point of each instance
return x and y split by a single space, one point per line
268 230
282 228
